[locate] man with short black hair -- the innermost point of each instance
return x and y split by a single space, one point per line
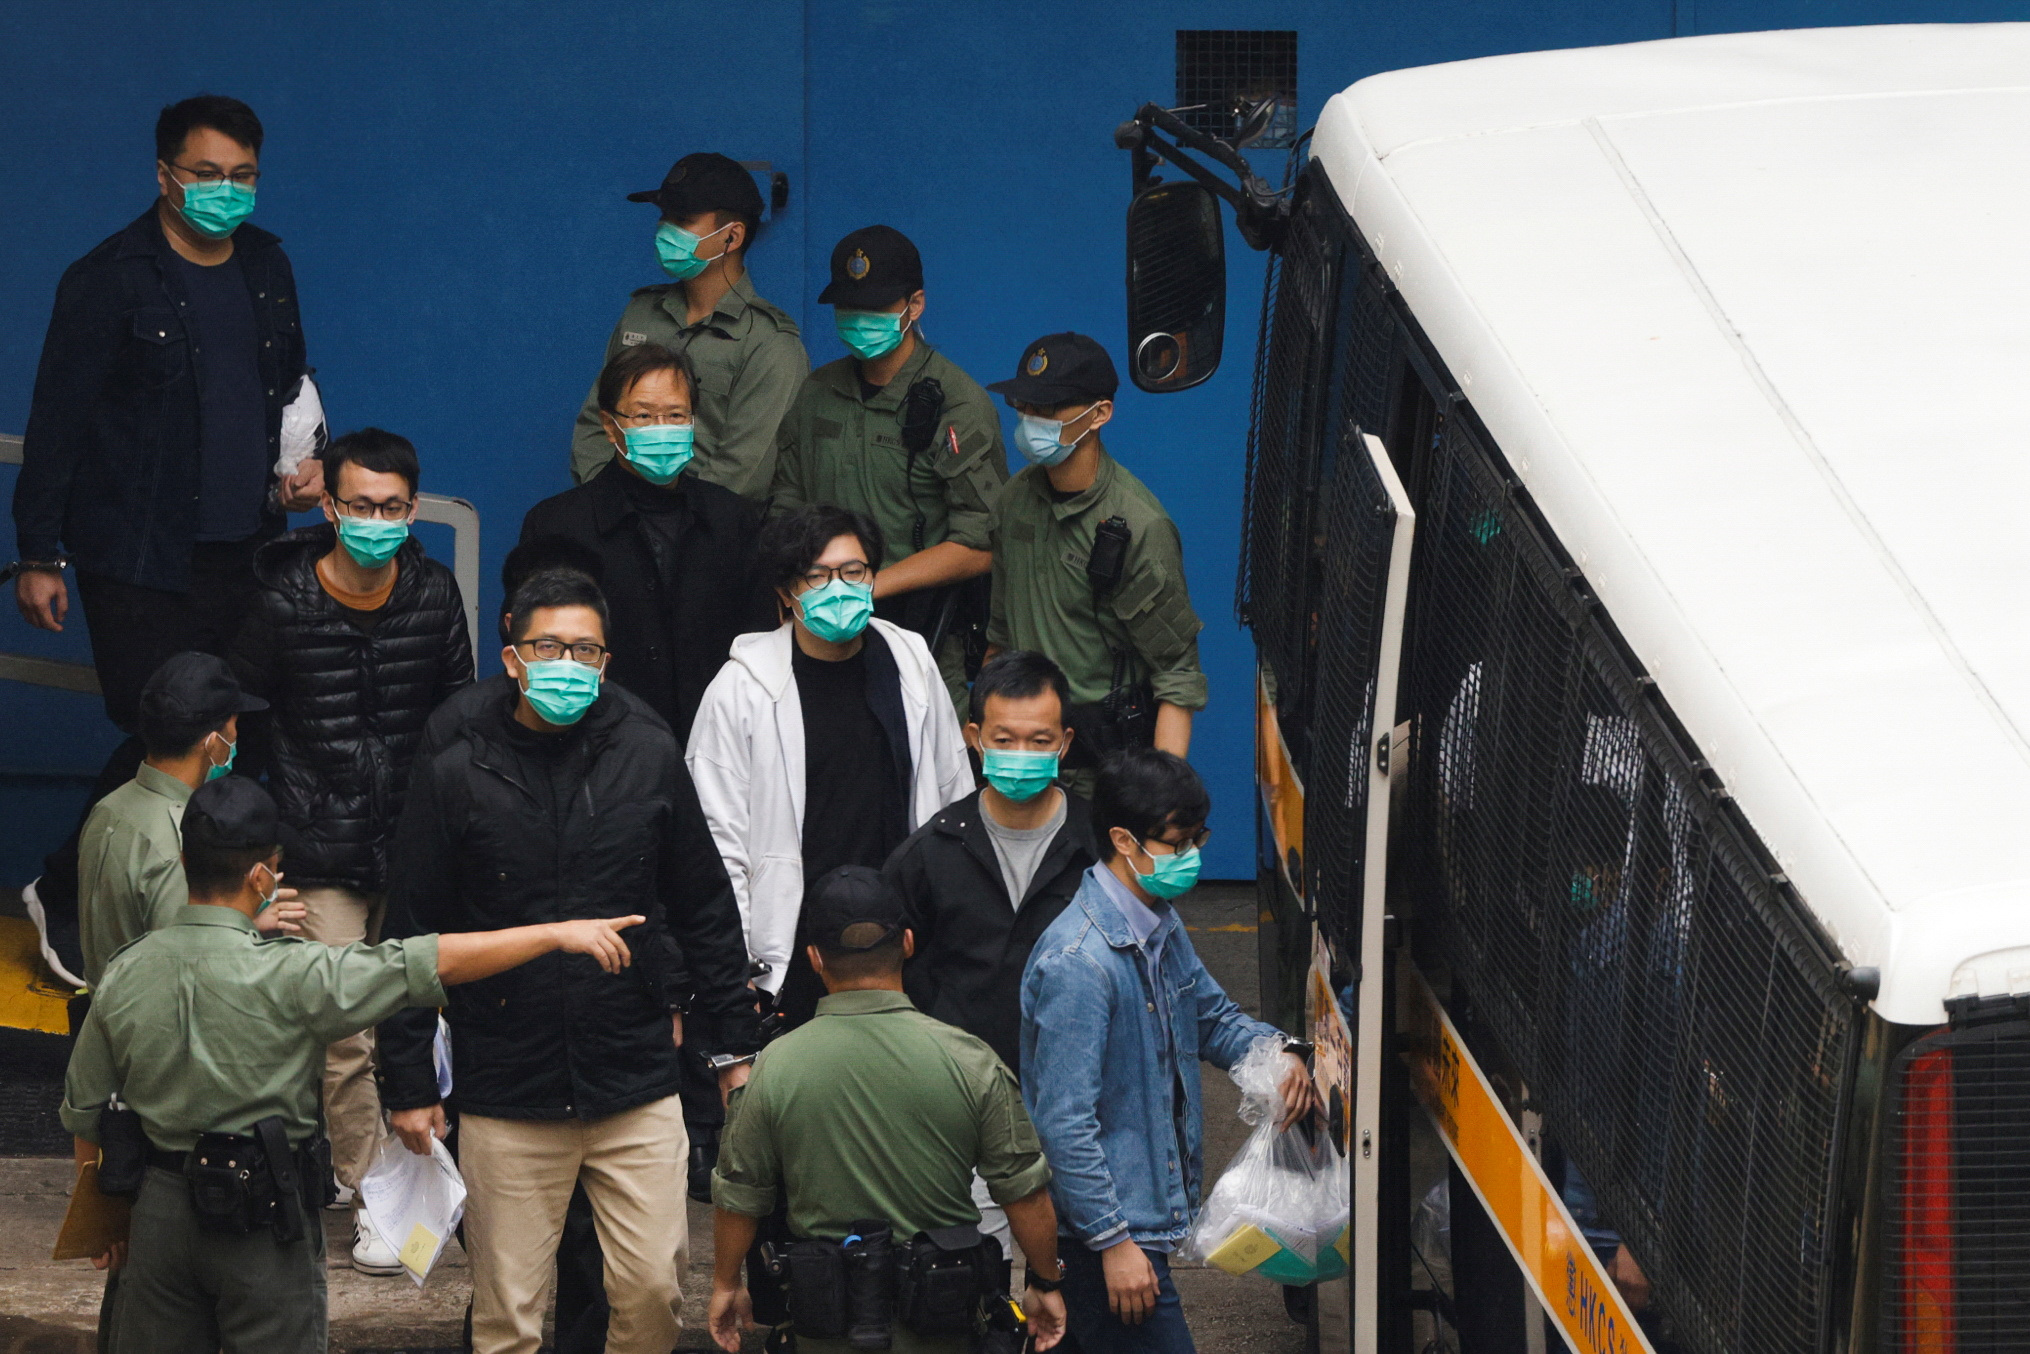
674 551
212 1038
1117 1011
562 797
822 743
354 638
745 353
172 350
896 431
873 1115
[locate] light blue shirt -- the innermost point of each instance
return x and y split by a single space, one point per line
1143 920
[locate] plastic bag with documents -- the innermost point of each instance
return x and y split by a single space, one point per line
1280 1210
414 1201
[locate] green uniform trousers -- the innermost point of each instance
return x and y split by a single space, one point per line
188 1291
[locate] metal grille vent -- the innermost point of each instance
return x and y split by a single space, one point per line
1957 1244
1611 930
1224 72
1350 606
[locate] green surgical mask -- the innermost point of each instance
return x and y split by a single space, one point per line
839 611
561 690
221 768
678 250
215 210
274 891
660 451
1019 775
370 541
871 333
1170 876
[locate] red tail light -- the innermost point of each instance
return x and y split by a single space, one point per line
1924 1297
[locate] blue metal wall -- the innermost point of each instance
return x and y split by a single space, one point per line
448 179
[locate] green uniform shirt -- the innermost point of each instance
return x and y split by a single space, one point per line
750 364
130 866
1043 599
836 448
874 1110
206 1027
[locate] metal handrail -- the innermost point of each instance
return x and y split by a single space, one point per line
456 513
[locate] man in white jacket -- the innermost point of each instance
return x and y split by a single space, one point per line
822 743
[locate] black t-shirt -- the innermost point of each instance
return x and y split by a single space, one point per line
232 410
853 805
659 513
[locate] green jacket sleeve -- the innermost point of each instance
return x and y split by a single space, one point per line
1155 606
88 1083
589 448
1011 1158
341 990
749 1172
973 472
786 490
761 398
997 613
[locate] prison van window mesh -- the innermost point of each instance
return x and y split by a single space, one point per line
1609 927
1361 524
1956 1247
1276 549
1223 73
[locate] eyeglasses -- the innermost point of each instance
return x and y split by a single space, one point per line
394 510
245 178
550 650
853 571
1191 843
652 420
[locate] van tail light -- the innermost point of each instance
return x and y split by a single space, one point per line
1922 1305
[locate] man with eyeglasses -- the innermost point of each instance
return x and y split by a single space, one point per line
172 350
562 798
895 430
1117 1012
745 351
675 551
353 639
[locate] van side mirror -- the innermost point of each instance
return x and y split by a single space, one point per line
1176 286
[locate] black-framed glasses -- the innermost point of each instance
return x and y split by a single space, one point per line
852 571
653 420
245 178
394 510
1194 842
550 650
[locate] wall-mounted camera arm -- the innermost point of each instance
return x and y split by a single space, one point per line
1155 135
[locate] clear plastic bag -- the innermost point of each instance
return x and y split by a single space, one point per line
1281 1209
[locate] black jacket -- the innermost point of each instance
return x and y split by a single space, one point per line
972 943
670 628
616 828
110 457
348 707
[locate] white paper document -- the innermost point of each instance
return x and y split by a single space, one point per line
414 1201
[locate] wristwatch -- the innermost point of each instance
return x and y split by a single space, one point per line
726 1062
1043 1285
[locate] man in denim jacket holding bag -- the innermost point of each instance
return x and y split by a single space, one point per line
1117 1011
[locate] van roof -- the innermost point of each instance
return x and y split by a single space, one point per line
1750 317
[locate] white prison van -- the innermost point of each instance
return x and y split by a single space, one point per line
1637 547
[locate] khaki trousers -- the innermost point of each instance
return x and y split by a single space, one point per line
519 1174
352 1103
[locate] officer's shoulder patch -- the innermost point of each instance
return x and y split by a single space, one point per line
655 289
630 339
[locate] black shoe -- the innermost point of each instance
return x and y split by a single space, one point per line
56 932
704 1158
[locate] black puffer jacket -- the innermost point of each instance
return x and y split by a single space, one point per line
348 707
506 827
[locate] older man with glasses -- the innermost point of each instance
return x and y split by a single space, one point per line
353 639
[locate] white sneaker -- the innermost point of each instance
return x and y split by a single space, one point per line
31 902
371 1254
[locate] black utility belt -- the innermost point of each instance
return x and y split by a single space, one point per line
240 1183
1124 718
943 1285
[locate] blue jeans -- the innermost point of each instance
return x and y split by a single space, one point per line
1099 1331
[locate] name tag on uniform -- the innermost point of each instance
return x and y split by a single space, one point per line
629 339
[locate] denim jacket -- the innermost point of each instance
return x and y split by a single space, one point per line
1120 1121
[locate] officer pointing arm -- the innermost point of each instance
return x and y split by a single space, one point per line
215 1039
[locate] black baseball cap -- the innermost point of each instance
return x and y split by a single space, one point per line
873 267
234 813
853 909
1060 369
704 181
194 689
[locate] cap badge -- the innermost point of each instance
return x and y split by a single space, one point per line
1038 360
856 267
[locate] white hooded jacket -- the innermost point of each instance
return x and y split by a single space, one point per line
746 756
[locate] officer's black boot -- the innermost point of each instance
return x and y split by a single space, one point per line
870 1286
